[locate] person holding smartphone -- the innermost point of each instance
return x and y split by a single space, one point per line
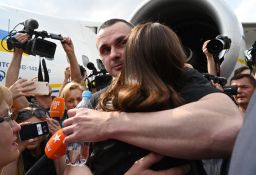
32 150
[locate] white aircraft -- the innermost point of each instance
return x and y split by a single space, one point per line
82 34
194 21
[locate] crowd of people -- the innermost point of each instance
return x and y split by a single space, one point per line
158 115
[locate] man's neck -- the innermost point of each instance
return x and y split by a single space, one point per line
242 108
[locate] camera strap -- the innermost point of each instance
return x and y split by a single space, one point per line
218 62
44 78
46 74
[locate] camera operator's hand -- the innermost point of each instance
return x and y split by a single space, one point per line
205 50
218 86
68 45
210 59
21 38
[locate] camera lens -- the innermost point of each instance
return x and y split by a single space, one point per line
215 46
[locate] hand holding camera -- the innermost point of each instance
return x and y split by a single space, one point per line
216 45
35 43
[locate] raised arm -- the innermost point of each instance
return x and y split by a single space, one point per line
13 70
199 130
211 66
74 66
12 74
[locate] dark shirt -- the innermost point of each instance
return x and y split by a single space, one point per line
243 161
115 157
47 167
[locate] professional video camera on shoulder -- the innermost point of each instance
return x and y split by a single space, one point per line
97 79
36 45
216 45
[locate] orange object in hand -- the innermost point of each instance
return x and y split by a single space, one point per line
55 147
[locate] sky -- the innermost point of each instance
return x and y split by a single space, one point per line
101 10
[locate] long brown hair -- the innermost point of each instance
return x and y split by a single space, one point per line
154 63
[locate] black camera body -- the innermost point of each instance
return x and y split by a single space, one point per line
220 80
230 90
37 45
218 44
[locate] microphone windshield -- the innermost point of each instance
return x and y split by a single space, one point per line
91 66
57 108
30 25
55 148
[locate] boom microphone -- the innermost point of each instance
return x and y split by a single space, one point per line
55 148
57 108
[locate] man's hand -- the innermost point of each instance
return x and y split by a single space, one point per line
85 125
142 167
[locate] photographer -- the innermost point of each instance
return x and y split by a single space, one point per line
12 74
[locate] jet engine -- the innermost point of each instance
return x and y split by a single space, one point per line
196 21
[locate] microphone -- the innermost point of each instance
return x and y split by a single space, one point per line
55 148
30 25
91 66
57 108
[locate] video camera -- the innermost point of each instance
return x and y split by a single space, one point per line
229 90
98 79
216 45
220 80
250 57
37 45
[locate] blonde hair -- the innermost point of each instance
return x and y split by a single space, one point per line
68 87
5 95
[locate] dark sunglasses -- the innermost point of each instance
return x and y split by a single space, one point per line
28 113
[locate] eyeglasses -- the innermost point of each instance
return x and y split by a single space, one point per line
7 118
28 113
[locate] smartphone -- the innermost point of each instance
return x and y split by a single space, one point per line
42 88
33 130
